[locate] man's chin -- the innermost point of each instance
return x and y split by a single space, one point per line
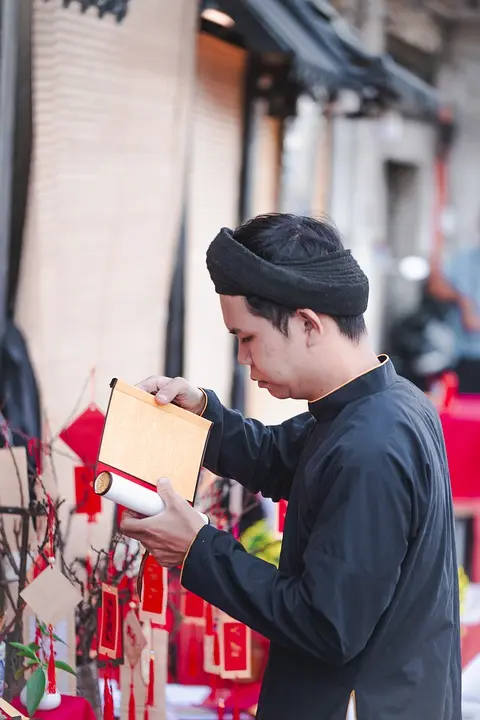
278 393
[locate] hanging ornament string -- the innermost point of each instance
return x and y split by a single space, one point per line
51 530
92 387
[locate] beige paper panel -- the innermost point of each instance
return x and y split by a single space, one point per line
322 178
148 441
213 203
110 108
265 178
159 712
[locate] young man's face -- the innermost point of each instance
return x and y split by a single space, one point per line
277 362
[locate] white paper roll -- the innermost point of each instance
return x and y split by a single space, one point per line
131 495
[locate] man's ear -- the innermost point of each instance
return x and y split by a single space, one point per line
312 325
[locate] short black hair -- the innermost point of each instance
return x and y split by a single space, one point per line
279 237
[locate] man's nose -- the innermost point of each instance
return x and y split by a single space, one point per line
243 355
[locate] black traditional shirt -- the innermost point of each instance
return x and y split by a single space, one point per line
365 599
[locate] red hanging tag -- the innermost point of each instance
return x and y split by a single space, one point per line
133 638
235 649
280 514
192 608
109 623
153 590
84 435
211 654
86 499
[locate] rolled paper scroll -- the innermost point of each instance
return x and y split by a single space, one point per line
131 495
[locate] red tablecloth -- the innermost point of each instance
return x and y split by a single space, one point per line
70 707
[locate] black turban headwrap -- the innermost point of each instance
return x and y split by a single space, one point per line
332 284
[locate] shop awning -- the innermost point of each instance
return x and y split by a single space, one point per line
326 54
269 26
362 70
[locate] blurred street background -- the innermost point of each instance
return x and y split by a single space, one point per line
131 131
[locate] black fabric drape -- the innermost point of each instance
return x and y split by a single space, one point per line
19 393
175 339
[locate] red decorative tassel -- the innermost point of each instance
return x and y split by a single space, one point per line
108 713
216 650
221 709
131 703
208 619
38 635
145 714
236 709
52 680
192 658
151 682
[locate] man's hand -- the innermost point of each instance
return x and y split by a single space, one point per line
168 535
176 390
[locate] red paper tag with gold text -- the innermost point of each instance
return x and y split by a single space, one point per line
86 499
192 607
235 649
154 592
109 645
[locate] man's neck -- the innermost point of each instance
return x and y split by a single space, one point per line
349 364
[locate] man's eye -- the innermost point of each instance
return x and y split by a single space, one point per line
245 339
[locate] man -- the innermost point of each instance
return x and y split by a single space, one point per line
363 608
459 283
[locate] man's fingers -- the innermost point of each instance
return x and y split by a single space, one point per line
133 525
153 384
166 491
168 392
165 389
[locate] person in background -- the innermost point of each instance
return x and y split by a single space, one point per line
458 283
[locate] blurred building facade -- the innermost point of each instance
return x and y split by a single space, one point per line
154 126
158 123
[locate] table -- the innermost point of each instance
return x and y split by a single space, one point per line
70 707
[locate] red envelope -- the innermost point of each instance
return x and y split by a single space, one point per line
86 499
110 625
154 591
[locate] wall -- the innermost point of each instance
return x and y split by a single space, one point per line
359 195
213 202
459 80
110 108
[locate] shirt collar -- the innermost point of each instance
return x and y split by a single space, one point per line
369 383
